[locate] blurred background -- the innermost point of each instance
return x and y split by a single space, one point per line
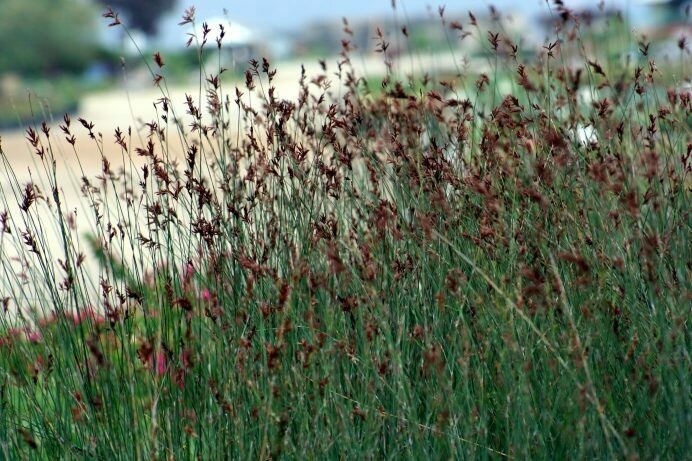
60 56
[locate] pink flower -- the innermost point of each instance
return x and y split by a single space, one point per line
160 364
87 313
188 272
33 336
47 320
206 295
98 318
76 318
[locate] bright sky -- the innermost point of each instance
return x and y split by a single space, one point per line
292 14
269 17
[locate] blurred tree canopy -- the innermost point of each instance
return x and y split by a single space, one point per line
143 15
46 36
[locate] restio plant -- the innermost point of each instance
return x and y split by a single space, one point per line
442 268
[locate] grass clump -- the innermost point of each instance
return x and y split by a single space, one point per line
438 270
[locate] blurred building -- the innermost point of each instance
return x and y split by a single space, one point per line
239 43
670 26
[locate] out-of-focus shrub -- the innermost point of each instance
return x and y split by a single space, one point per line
46 36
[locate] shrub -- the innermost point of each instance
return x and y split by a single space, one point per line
34 45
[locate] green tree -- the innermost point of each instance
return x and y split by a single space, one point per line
46 36
143 15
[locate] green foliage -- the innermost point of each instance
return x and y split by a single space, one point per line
46 36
